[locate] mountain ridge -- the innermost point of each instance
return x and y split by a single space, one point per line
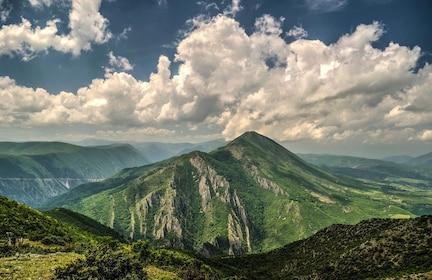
249 196
31 172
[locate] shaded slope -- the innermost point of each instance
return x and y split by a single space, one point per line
376 248
34 171
251 195
34 225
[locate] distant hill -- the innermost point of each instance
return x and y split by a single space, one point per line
158 151
249 196
398 159
32 172
423 160
384 174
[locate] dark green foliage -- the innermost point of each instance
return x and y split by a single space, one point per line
24 221
104 263
84 223
371 249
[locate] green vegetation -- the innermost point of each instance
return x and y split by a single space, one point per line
32 172
72 249
249 196
372 249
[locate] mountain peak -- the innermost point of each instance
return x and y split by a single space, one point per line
255 138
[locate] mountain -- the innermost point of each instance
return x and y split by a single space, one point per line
371 249
32 172
158 151
398 159
249 196
380 173
54 228
61 244
423 160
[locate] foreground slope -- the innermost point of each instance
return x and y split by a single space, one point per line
375 248
249 196
31 172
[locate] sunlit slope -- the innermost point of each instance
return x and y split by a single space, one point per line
251 195
34 171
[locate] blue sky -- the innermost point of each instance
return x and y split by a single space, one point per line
337 76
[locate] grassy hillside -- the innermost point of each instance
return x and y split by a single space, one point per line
71 246
32 172
60 226
70 249
376 248
250 196
405 181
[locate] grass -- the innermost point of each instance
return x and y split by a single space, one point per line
34 266
155 273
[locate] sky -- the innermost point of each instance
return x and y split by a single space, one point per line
324 76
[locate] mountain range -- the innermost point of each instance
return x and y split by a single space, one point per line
32 172
158 151
251 195
61 244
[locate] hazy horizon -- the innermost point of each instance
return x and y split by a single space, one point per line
320 76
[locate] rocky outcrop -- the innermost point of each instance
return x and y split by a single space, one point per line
237 221
263 182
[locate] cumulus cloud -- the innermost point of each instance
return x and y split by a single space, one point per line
118 62
305 89
298 32
86 26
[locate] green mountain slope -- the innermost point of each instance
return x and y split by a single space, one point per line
59 227
249 196
375 248
423 160
405 181
34 171
66 247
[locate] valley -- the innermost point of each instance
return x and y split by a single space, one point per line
249 208
32 172
249 196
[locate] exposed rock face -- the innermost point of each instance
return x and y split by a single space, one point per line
210 179
165 221
237 220
263 182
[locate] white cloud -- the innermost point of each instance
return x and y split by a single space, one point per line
298 32
4 11
118 62
326 6
426 135
233 8
86 25
346 91
40 3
